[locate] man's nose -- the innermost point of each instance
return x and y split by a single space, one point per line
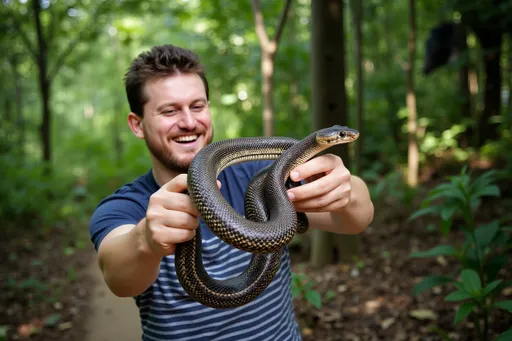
187 120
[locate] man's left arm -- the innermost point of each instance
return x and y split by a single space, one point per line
333 199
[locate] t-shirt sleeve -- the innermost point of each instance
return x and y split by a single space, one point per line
113 212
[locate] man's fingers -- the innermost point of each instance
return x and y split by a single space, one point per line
331 201
178 184
320 164
312 189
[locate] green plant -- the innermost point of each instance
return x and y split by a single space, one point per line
391 186
303 285
480 256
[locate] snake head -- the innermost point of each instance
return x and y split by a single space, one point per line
336 134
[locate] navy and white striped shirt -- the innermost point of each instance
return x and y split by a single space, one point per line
166 311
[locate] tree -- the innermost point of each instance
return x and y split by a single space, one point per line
48 28
268 53
412 124
357 15
329 102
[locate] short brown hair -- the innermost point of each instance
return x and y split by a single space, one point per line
160 61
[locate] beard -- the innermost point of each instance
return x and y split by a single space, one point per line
169 161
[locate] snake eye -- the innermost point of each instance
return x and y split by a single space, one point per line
342 134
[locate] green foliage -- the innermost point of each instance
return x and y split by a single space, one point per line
479 257
391 186
302 285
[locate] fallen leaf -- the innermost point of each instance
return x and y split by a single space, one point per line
441 260
307 331
372 306
423 314
342 288
385 324
65 326
28 329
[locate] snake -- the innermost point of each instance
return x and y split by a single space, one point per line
269 222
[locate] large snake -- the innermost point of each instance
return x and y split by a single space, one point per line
270 220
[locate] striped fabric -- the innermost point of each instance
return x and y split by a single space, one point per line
166 311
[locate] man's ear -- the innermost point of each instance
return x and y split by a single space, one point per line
135 123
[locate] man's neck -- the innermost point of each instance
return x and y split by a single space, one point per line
161 174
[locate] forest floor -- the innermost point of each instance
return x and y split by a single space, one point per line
51 290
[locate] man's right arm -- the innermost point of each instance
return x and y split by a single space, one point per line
129 267
130 255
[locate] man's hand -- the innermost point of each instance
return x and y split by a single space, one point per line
171 217
327 187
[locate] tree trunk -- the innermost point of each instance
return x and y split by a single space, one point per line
268 53
267 72
357 14
44 84
329 104
509 78
491 43
464 90
413 156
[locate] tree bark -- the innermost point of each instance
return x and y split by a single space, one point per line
413 156
44 82
268 52
357 14
491 43
329 102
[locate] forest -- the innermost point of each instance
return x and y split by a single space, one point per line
427 83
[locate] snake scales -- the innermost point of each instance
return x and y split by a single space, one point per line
270 220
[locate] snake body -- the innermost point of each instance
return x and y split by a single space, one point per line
270 220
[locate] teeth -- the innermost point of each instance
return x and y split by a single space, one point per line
187 138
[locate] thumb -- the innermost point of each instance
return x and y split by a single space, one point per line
178 184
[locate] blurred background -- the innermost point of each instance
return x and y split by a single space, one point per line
427 83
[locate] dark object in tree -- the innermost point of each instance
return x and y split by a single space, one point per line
440 47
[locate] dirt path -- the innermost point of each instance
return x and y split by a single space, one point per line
111 318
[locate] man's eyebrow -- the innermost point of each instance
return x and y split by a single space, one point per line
202 100
164 105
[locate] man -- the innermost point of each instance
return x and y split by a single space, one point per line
136 229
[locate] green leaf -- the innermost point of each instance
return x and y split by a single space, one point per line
52 320
448 211
440 250
505 336
486 233
430 282
488 191
457 296
3 332
492 286
445 227
463 311
314 298
505 305
425 211
471 281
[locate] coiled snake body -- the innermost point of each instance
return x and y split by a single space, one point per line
270 220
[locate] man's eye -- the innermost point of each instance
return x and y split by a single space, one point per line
198 107
170 112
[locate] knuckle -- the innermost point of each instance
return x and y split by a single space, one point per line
181 236
321 201
151 214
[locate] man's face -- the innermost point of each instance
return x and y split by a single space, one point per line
177 120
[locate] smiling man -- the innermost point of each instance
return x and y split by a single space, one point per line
136 229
